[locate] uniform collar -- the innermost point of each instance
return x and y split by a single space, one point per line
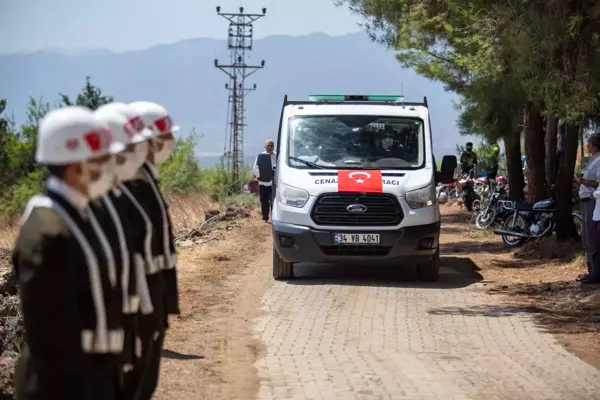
153 169
72 195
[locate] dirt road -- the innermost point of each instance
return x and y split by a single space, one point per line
357 333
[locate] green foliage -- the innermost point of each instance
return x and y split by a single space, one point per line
241 199
484 151
215 181
15 197
181 174
90 97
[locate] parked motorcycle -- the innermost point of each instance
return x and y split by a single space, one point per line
482 187
495 210
530 221
467 191
443 192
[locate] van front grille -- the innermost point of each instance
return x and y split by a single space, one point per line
380 209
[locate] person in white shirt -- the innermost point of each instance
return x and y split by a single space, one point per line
263 171
589 234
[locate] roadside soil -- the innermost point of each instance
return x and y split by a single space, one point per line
210 348
537 278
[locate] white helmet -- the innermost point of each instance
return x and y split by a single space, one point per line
71 135
135 127
122 129
155 117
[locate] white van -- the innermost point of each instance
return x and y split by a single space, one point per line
355 182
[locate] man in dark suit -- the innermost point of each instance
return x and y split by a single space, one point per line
263 170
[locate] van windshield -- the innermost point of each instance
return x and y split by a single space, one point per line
356 142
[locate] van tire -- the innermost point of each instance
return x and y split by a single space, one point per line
430 270
281 270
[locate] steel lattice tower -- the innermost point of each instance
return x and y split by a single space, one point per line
240 40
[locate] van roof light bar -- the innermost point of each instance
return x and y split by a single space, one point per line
382 98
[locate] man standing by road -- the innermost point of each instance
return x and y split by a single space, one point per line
468 160
263 170
492 164
589 182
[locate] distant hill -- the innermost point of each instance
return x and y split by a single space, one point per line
182 76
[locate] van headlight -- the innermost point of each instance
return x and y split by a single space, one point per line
291 196
420 198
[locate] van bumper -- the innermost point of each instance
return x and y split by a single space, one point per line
296 244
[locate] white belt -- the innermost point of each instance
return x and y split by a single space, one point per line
114 344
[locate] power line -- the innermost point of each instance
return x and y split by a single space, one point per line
240 40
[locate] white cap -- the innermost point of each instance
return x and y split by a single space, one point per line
71 135
155 117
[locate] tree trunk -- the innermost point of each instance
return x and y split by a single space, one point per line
565 229
551 157
512 148
534 142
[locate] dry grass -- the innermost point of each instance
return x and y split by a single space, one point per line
187 212
211 345
8 234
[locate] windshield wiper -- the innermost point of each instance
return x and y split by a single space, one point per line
310 164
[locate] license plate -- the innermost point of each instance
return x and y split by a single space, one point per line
356 238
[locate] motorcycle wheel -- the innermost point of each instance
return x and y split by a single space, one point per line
452 196
442 196
469 199
485 218
513 241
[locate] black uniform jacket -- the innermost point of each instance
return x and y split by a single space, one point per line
162 240
71 311
142 192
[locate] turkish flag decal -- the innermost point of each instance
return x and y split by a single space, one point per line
364 181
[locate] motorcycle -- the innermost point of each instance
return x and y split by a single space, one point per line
467 191
531 221
481 186
495 210
443 192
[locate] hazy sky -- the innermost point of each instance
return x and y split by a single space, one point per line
28 25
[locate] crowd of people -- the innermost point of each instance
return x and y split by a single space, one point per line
95 257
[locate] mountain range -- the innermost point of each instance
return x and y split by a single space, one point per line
183 78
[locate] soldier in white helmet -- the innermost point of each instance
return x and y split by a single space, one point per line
157 119
160 270
129 231
70 300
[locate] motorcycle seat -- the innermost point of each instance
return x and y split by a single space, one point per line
523 206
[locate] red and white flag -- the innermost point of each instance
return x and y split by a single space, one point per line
362 181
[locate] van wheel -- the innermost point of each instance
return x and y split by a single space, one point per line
281 269
430 270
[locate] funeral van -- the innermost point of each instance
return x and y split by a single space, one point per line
355 182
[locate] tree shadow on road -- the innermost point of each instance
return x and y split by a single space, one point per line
456 217
455 272
174 355
473 247
561 307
